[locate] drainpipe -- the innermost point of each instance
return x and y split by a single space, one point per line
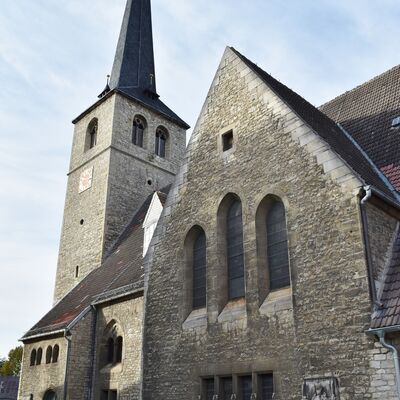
396 359
363 202
68 338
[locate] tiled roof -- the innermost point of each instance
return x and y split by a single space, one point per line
121 272
326 128
389 314
366 112
9 387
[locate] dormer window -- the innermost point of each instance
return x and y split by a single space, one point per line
396 122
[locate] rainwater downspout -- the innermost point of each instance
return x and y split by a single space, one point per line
363 202
393 349
68 338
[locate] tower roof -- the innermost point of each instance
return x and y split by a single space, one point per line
134 59
133 72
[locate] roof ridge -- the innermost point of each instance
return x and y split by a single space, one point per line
355 88
324 126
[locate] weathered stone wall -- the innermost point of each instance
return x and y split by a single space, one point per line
316 328
125 377
123 176
382 228
79 373
37 379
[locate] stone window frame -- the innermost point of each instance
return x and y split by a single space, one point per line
261 216
223 276
190 238
92 134
162 131
136 119
112 336
236 382
225 154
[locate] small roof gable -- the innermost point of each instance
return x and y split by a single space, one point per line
120 274
327 129
389 313
367 112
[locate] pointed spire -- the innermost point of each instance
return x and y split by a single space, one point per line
134 59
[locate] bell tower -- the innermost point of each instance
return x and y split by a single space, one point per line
125 146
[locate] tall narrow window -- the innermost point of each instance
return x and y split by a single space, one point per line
118 355
226 389
138 131
39 356
33 357
208 388
266 386
112 395
199 271
161 142
49 353
246 387
235 257
110 350
91 134
56 352
277 246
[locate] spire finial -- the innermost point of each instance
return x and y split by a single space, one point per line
106 89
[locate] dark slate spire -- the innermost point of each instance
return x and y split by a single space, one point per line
134 59
133 72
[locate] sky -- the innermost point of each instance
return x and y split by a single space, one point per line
54 58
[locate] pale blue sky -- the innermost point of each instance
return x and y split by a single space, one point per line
55 54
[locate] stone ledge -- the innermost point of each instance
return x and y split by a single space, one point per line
234 310
277 301
197 319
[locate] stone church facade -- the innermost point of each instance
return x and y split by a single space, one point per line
262 262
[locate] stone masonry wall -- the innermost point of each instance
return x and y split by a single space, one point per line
37 379
124 377
314 329
123 176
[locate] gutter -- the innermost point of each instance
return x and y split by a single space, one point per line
67 336
367 247
381 333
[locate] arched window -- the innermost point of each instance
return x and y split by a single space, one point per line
91 134
234 250
33 357
49 353
39 356
56 352
110 350
199 265
50 395
118 352
277 246
161 141
139 125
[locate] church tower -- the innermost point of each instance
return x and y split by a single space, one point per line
125 146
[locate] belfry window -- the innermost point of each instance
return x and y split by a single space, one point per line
39 356
138 128
110 350
161 142
277 246
56 352
118 352
199 271
235 256
49 353
91 134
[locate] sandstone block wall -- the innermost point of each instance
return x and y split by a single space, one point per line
124 377
317 327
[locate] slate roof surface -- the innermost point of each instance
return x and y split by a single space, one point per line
389 314
366 112
122 270
9 387
324 127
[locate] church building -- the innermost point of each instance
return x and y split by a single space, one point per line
261 262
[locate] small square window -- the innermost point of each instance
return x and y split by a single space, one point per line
227 141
